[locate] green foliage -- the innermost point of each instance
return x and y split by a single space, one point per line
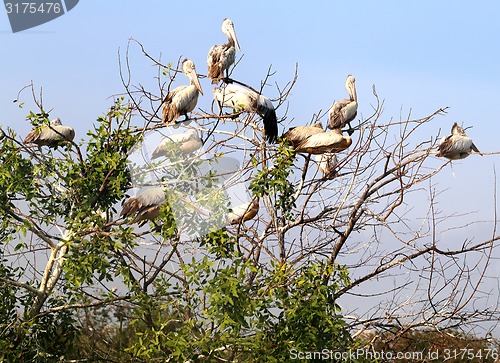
100 180
304 314
219 243
31 340
274 180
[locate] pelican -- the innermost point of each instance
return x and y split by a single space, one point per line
314 140
327 163
222 56
344 111
244 212
295 135
145 206
242 99
457 145
186 142
51 135
182 99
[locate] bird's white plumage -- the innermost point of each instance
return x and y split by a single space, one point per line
235 97
457 145
242 99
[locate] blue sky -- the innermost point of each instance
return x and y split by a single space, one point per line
421 55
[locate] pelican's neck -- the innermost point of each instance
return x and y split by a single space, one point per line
352 93
230 42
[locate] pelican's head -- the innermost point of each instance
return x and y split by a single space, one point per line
318 125
189 70
350 87
457 130
228 30
56 122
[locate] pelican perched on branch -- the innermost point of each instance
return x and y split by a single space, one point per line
242 99
182 99
52 135
186 143
324 142
296 135
314 140
222 56
145 206
344 111
244 212
457 145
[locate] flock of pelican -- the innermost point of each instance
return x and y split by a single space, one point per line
180 101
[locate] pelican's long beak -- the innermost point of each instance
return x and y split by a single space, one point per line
193 77
232 33
352 93
217 93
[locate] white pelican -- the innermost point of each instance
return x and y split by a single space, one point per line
244 212
457 145
145 206
344 111
53 134
243 99
222 56
296 135
327 163
182 99
186 142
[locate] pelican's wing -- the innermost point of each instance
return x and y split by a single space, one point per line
152 196
130 206
214 62
342 112
266 110
33 135
186 97
172 93
50 135
475 148
297 134
324 142
234 97
170 108
59 133
147 213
